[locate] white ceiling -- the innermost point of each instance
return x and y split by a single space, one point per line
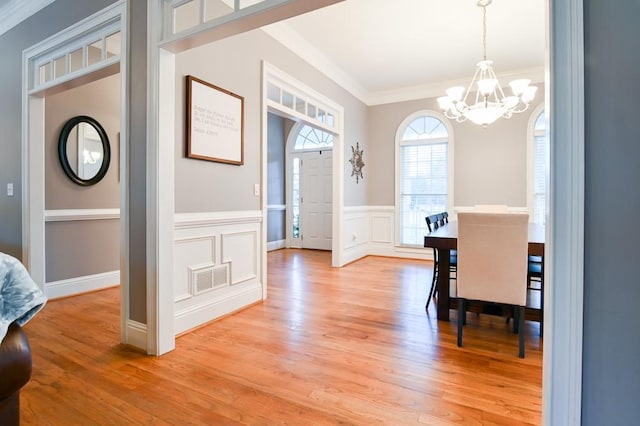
389 50
392 50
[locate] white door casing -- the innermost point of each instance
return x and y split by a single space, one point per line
39 79
274 80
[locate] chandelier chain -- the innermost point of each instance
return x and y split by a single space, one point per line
490 100
484 31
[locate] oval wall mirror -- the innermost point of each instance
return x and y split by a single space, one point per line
84 150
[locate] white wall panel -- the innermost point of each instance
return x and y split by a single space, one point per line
369 230
216 265
239 249
190 253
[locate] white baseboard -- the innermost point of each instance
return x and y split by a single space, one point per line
137 335
354 253
72 286
276 245
212 309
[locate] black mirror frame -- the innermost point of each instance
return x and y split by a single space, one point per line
62 150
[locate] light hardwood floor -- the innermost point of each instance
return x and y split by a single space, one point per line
349 345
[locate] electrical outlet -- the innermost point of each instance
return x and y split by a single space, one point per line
256 189
9 190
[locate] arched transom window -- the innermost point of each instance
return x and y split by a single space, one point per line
312 138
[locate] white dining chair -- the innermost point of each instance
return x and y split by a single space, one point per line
492 263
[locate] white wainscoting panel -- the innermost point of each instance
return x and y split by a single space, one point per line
239 249
382 225
78 285
190 253
382 228
216 265
356 233
370 230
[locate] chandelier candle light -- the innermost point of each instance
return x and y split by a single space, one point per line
490 103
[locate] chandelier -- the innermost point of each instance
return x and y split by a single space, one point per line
490 101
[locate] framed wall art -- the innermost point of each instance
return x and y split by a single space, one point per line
215 123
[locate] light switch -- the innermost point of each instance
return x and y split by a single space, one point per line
256 189
9 190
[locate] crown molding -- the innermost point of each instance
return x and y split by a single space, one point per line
290 39
14 12
433 90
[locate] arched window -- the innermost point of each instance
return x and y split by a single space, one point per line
423 174
312 138
540 167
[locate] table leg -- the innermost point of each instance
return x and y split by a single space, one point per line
443 284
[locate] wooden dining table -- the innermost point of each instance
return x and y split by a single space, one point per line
445 238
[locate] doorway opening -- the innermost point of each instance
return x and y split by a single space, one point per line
76 72
314 162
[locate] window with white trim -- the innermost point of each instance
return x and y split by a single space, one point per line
312 138
540 149
423 176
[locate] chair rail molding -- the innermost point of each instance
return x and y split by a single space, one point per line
80 214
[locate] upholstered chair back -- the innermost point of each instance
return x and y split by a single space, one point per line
492 257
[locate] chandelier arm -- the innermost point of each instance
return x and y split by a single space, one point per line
499 87
519 110
473 80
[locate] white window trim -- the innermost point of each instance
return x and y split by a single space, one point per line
295 130
450 157
531 157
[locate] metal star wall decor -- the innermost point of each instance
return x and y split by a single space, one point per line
356 162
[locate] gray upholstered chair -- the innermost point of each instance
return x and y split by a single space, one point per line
492 263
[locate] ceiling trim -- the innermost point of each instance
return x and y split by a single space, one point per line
289 38
15 11
437 89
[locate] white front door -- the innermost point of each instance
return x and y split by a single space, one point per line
316 203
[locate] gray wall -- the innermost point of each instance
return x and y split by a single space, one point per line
611 370
137 149
47 22
100 100
490 165
207 186
276 144
80 248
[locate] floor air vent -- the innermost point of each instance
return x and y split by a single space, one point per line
209 278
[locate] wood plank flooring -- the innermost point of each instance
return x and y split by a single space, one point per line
349 345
